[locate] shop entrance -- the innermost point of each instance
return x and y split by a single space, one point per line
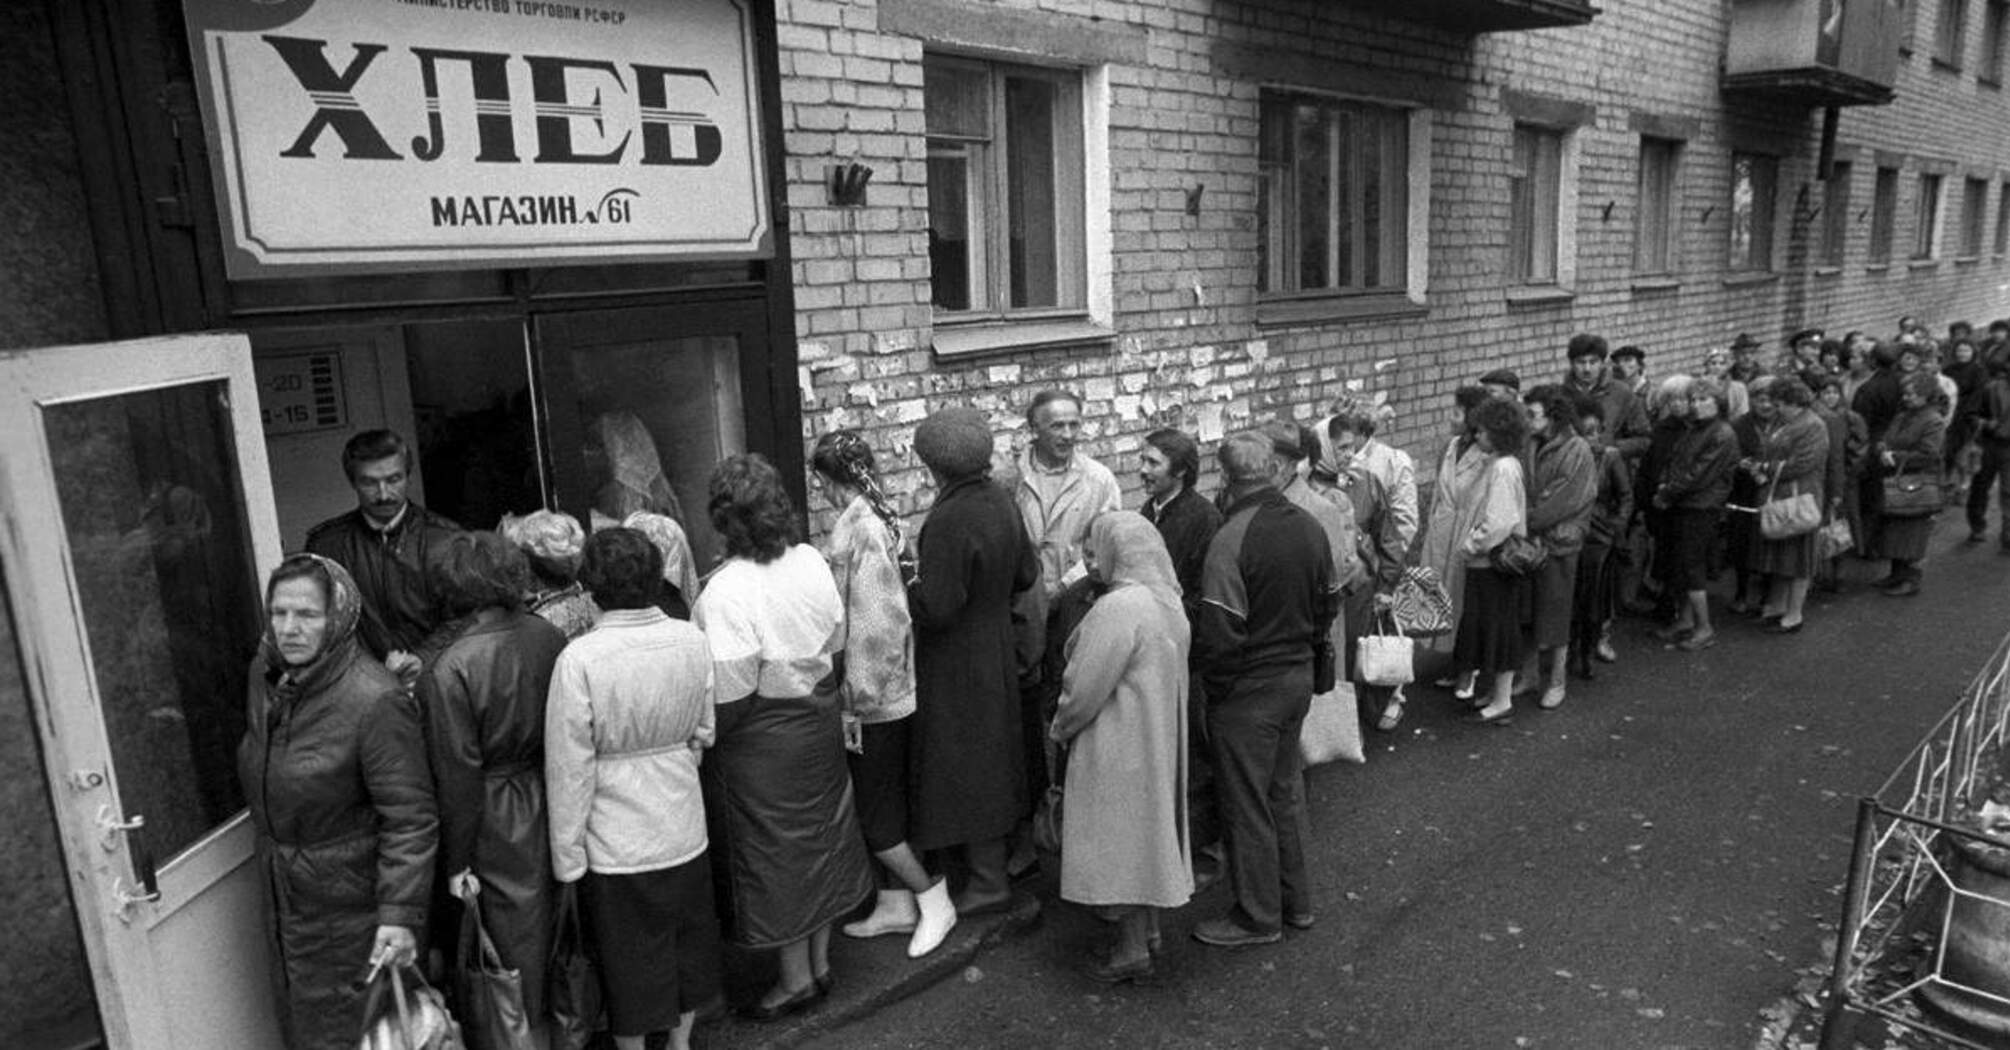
141 527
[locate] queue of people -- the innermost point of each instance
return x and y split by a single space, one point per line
868 737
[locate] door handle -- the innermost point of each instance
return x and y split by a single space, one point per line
124 895
113 826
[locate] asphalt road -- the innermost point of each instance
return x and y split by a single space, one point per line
1646 867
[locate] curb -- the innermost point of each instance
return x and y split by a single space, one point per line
863 997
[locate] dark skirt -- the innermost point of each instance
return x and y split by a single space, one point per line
1792 558
658 941
1690 535
879 777
1904 538
778 805
1554 590
1490 638
1597 587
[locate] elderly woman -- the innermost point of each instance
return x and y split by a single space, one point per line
334 767
777 791
1490 640
1692 491
1741 530
629 712
1379 523
1793 460
1562 487
876 667
551 541
1123 714
1719 365
1669 410
1911 449
484 700
1454 503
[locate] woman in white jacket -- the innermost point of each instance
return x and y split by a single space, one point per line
628 717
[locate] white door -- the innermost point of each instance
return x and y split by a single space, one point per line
138 524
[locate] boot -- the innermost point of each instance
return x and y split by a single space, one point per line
938 917
895 912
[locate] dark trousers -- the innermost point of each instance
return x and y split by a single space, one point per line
1203 819
1995 471
1253 727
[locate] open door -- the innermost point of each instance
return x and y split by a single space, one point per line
139 523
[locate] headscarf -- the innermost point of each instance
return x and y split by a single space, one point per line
1129 551
680 568
853 463
338 645
638 482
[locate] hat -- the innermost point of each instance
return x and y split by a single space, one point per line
1284 438
954 442
1744 342
1502 377
1633 352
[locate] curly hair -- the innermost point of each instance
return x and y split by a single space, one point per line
1791 391
621 569
1559 410
477 570
750 510
1713 390
1505 423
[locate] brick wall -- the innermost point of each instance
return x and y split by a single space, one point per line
1183 116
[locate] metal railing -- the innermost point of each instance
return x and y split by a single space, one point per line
1901 896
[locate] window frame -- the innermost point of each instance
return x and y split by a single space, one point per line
1974 211
1928 232
2001 245
1995 29
1664 154
1950 32
988 210
1834 248
1758 255
1884 216
1280 196
1525 190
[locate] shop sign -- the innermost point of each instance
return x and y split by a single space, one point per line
382 135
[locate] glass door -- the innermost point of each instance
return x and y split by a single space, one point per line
141 525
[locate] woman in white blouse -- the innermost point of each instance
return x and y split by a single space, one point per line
777 792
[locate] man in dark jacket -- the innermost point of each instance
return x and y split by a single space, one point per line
385 544
1269 599
1626 424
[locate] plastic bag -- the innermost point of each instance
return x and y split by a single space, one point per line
395 1018
1332 728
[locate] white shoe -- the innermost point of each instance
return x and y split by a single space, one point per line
938 917
895 912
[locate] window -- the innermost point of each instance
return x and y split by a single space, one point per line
1753 177
1005 203
1995 22
1926 218
1654 222
1974 202
1883 216
2003 219
1332 206
1835 215
1535 187
1947 35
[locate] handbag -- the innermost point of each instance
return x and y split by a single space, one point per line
1911 496
1834 540
1785 518
1332 728
1047 815
1518 555
490 994
1419 604
397 1019
1385 659
574 993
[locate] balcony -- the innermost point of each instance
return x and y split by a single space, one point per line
1815 52
1484 16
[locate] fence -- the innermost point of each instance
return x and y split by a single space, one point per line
1911 903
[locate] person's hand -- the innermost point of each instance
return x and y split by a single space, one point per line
1384 601
396 946
464 886
404 665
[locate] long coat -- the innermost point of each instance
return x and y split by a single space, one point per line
1123 707
1454 508
484 700
968 756
1915 440
334 769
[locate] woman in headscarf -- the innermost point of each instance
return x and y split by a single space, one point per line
1122 714
1911 447
777 794
1453 506
551 541
334 767
1793 461
875 665
678 591
484 700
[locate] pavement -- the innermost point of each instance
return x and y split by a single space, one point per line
1657 864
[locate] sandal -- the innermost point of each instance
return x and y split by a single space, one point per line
1392 716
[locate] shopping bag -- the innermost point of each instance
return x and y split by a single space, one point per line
489 994
1911 496
1421 606
397 1018
1332 728
1784 517
1834 540
574 992
1385 659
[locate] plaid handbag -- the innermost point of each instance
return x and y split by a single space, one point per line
1421 606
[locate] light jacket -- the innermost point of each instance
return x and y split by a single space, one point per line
1502 511
878 639
1059 524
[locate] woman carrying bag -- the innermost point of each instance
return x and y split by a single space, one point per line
1907 462
1793 465
1490 643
